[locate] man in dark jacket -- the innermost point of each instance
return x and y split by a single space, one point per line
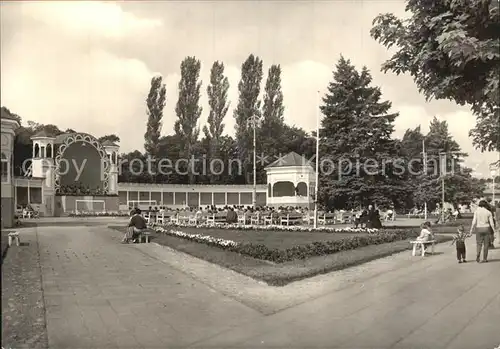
136 225
232 216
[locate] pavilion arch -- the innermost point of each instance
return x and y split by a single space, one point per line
85 138
284 188
49 150
36 153
301 189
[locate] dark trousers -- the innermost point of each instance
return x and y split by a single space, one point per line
482 241
460 250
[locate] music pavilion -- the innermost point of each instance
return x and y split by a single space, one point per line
74 172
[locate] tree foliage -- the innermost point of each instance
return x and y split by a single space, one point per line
425 183
272 130
248 106
217 99
452 51
187 109
356 128
155 102
111 137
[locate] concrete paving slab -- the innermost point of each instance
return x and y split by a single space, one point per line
100 293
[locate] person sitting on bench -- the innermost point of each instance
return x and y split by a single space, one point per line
426 234
232 216
136 226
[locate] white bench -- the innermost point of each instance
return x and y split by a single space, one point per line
291 219
14 236
422 244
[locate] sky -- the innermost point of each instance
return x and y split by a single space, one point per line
88 65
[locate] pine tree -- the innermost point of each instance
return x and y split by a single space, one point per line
357 127
217 99
188 110
248 107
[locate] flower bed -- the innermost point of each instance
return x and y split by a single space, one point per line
260 251
323 229
99 214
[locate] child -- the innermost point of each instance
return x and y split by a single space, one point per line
459 241
426 233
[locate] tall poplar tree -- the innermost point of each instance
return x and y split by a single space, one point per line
188 110
272 132
217 100
248 107
155 103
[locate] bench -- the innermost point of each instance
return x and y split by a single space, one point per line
291 219
422 244
326 218
216 218
242 219
14 236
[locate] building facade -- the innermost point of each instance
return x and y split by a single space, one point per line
8 128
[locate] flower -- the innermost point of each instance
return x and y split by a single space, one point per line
273 227
198 237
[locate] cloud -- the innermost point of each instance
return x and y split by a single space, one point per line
89 18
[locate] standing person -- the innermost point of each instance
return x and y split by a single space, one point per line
459 241
373 218
491 208
482 223
497 216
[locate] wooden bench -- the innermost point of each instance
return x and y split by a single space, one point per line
216 218
242 219
422 244
145 234
255 219
291 219
14 236
326 218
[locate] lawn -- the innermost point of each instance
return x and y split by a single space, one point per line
317 259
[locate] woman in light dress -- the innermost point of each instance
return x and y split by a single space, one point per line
482 224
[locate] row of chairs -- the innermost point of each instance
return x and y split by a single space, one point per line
256 218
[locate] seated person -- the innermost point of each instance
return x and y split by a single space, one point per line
232 216
136 225
425 234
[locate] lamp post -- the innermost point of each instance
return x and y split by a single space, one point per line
253 121
317 163
424 155
493 175
442 157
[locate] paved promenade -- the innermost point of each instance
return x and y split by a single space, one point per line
101 294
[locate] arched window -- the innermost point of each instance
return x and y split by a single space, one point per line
5 168
283 189
49 150
301 189
113 158
42 151
36 152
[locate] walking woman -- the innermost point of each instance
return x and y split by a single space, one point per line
482 225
